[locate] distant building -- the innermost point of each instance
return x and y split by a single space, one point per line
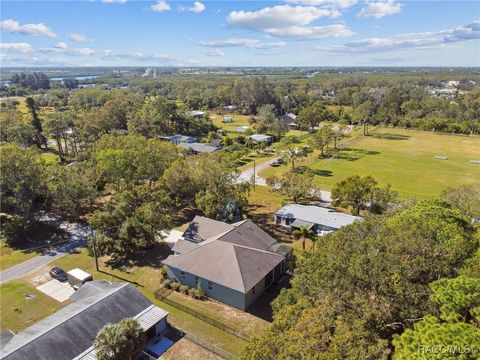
232 263
258 138
319 219
230 107
242 129
289 120
227 120
69 333
196 147
178 138
196 113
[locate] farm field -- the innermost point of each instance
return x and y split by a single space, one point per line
404 159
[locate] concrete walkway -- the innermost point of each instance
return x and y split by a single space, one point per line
77 237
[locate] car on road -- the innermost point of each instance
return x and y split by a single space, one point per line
58 274
275 163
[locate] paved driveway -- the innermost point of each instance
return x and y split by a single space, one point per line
247 174
60 291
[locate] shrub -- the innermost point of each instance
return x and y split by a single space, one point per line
184 289
168 283
163 271
175 286
197 293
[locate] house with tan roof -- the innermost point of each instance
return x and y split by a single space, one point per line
232 263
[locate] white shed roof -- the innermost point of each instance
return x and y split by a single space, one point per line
317 215
79 274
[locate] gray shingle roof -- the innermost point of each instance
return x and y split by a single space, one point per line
233 255
71 330
317 215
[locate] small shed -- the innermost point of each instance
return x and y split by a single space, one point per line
77 277
227 120
258 138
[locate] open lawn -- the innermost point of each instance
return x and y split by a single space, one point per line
404 159
17 312
238 120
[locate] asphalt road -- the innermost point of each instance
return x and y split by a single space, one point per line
77 238
247 174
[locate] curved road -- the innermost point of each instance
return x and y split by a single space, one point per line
247 174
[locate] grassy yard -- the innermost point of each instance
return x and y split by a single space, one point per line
404 159
238 120
18 312
10 257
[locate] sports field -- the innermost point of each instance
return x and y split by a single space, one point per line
404 159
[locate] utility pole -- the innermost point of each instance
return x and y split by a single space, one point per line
254 175
94 242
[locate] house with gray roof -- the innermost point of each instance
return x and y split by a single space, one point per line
232 263
289 120
258 138
320 219
69 333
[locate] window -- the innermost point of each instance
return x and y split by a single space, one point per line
197 281
210 285
253 290
182 275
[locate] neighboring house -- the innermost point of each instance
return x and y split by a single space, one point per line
196 147
227 120
319 219
232 263
258 138
289 120
230 107
242 129
179 138
69 333
196 113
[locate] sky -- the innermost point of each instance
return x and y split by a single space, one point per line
240 33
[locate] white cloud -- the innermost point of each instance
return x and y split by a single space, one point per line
17 47
197 7
61 45
380 9
289 21
215 52
114 1
340 4
160 6
13 26
77 37
425 40
237 42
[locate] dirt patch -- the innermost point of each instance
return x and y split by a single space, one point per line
38 277
187 349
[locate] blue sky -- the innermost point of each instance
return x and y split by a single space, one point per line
240 33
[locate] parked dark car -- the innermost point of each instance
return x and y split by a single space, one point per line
58 274
275 163
280 161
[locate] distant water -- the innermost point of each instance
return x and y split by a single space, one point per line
79 78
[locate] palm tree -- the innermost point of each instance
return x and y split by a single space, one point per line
304 233
119 341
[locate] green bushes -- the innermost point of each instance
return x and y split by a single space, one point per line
163 271
197 293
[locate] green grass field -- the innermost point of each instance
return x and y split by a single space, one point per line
238 120
18 312
405 159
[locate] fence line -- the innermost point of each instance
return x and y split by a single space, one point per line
160 295
205 344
